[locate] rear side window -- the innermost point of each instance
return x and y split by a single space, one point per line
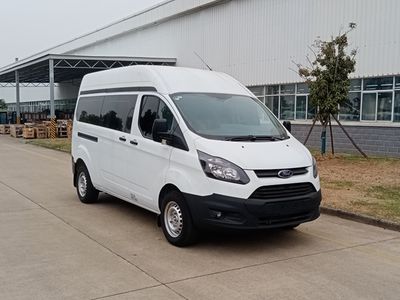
153 108
117 112
89 110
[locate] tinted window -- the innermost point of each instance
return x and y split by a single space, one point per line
165 113
88 110
117 112
153 108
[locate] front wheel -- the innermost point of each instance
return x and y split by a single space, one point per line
84 187
176 221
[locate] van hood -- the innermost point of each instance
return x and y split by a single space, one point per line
258 155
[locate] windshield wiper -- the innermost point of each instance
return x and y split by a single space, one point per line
254 138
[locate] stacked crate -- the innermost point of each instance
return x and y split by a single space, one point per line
16 130
4 129
62 128
41 131
28 132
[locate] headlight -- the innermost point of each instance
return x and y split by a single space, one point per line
314 167
221 169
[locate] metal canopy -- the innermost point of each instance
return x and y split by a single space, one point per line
52 68
69 67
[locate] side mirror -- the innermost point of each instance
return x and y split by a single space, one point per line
287 125
159 128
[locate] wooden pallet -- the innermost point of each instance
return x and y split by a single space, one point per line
16 130
41 132
4 129
28 133
62 132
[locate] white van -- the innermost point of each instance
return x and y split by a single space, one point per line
195 147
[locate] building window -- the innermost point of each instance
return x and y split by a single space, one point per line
302 88
257 90
396 112
369 107
379 83
370 99
287 89
350 110
272 90
287 107
355 85
272 102
384 106
301 107
397 83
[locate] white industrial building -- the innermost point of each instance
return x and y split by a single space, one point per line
256 41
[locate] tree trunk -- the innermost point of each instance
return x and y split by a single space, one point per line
331 132
323 139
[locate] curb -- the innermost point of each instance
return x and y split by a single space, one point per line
360 218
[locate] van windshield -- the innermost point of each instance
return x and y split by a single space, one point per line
228 117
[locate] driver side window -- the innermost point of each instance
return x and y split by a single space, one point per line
153 108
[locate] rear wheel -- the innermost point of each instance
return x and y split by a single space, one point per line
84 187
176 221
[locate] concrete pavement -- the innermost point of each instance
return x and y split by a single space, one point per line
54 247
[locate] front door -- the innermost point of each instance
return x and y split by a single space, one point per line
148 161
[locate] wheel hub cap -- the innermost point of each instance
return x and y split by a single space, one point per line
82 184
173 219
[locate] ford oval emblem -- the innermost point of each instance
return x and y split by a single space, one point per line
285 174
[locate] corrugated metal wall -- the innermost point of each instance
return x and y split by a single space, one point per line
257 40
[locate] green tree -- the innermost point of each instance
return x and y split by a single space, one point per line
328 79
3 105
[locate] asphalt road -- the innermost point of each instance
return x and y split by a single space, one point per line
54 247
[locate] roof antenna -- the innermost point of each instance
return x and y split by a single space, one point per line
203 61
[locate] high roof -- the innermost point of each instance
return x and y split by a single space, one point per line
166 80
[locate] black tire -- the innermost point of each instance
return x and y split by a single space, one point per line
87 193
173 205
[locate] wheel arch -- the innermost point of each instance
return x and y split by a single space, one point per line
165 190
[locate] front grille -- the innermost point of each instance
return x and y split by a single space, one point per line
274 173
283 191
282 220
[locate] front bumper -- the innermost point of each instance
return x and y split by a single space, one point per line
218 211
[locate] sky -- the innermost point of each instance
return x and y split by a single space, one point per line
30 26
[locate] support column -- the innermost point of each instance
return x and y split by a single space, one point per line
17 97
53 126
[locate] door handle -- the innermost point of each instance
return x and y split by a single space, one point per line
122 139
134 142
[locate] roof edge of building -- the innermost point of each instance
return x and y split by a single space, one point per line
151 16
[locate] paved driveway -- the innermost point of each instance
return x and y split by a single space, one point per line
54 247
